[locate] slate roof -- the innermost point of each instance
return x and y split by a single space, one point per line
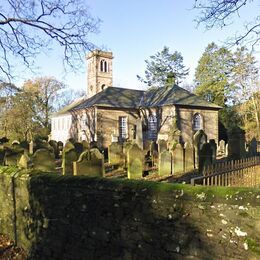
114 97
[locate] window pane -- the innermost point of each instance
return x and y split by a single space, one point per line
122 127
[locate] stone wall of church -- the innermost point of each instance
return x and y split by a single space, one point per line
209 122
108 125
184 122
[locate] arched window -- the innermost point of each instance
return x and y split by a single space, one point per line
152 127
103 66
197 122
103 87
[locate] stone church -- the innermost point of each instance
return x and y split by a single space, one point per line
111 114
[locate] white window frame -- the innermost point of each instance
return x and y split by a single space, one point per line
123 127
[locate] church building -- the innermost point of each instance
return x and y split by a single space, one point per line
111 114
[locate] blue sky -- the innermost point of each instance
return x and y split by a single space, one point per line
134 30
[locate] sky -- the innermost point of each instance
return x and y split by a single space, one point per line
136 29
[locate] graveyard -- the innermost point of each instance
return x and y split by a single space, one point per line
126 189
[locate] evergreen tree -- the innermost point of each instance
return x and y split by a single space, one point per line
164 69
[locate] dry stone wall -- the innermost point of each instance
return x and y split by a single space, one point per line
68 217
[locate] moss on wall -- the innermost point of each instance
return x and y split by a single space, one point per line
66 217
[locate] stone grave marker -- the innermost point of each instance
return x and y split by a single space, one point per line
199 139
69 156
165 163
24 162
12 156
205 157
222 148
115 153
188 157
162 146
253 147
213 146
43 160
90 163
54 145
135 162
177 159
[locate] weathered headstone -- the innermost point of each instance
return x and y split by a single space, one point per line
205 157
188 157
162 146
236 143
115 153
24 162
165 163
135 162
213 146
11 157
253 147
69 156
43 160
199 139
178 160
222 147
54 145
154 153
90 163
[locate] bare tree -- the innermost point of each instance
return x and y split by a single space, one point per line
219 13
27 27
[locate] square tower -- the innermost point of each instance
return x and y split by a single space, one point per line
99 71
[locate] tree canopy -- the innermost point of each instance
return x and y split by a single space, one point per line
25 112
220 13
164 69
231 80
29 27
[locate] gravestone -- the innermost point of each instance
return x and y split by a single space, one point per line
177 160
205 157
222 148
90 163
253 147
43 160
213 146
162 146
199 139
135 162
115 153
126 147
165 163
54 145
24 162
69 156
154 153
236 144
11 156
188 157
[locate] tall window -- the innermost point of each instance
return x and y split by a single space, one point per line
152 127
103 66
122 128
197 122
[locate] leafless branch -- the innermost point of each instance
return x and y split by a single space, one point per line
220 13
29 27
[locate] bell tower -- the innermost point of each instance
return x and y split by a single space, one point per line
99 71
